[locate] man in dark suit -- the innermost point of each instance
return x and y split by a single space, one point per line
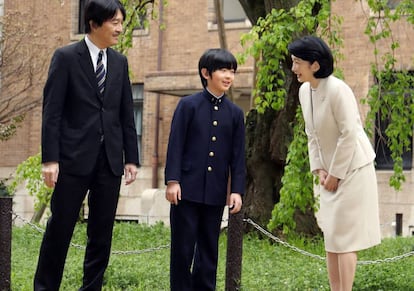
88 142
205 147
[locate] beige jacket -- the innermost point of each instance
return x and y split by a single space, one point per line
336 139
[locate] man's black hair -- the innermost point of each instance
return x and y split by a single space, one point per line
216 59
100 11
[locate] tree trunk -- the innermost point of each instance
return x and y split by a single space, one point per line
6 203
39 213
263 174
268 136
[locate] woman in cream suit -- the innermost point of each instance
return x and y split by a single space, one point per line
341 155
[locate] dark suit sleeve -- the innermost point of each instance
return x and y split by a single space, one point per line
54 95
176 142
131 154
238 165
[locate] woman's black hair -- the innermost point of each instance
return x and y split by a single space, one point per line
100 11
311 49
216 59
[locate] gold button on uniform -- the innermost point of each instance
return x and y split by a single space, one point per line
215 122
213 138
209 169
211 154
216 108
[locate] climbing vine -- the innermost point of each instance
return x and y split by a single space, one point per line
267 42
297 190
391 98
138 13
8 130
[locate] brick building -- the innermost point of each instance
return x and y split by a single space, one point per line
163 65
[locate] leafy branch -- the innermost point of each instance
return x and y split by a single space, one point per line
267 42
391 98
29 173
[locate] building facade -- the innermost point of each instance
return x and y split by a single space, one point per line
163 63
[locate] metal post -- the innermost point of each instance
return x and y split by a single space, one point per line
399 222
5 242
234 252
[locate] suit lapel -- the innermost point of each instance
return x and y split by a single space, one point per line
87 66
112 70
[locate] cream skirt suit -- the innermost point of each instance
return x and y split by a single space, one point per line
348 217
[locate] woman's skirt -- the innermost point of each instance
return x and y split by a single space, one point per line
349 217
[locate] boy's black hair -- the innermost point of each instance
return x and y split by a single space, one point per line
216 59
311 49
100 11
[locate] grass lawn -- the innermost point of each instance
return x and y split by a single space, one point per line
266 265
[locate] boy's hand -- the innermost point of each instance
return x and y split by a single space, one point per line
235 203
173 192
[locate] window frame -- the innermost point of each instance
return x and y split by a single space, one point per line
138 107
228 24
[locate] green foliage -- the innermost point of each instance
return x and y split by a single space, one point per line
265 265
4 190
29 173
392 96
137 13
297 190
267 42
7 130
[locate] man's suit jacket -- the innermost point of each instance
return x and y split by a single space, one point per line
336 139
206 145
76 116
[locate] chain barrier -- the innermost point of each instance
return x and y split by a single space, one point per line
278 240
247 220
81 247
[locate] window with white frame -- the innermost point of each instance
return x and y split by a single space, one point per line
138 97
233 11
392 4
233 14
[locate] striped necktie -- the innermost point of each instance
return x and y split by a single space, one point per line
100 73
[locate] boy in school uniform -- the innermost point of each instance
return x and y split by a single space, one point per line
206 147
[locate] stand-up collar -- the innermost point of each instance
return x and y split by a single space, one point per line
212 98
